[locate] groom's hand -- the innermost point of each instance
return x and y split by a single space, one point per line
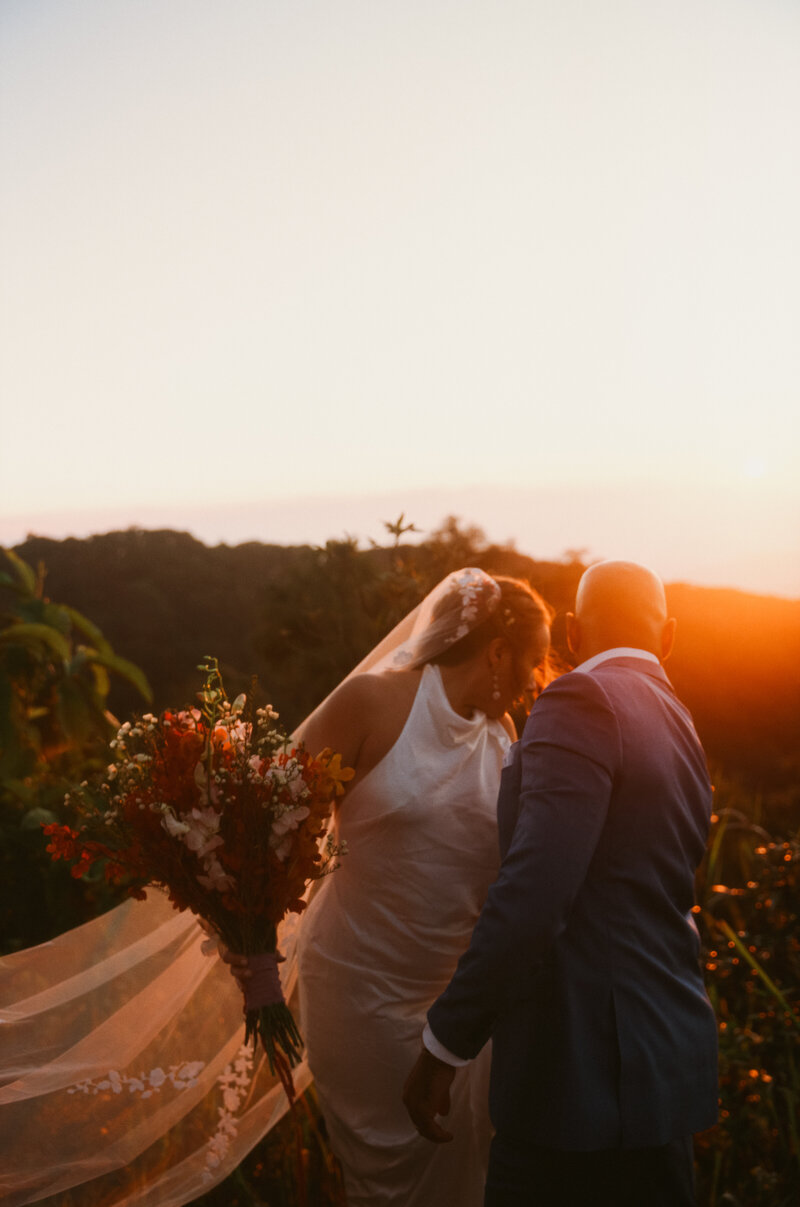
427 1094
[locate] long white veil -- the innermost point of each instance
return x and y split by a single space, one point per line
123 1073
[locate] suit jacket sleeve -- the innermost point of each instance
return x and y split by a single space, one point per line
570 752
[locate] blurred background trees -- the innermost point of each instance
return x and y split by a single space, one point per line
56 669
300 617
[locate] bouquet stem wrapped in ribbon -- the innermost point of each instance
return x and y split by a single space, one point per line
269 1018
220 808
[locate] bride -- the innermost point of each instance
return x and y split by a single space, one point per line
123 1076
426 735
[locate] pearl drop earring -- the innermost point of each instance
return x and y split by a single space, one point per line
495 686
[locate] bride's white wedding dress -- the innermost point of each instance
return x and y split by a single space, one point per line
381 940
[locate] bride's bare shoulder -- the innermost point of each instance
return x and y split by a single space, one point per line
373 698
364 714
381 703
377 687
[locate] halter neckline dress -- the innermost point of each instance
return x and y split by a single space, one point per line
381 940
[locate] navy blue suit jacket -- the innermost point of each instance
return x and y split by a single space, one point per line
584 964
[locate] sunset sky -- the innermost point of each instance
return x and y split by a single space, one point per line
279 269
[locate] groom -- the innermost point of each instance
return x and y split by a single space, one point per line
584 964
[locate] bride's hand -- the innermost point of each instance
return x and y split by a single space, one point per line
239 966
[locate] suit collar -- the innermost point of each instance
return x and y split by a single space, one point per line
622 651
641 661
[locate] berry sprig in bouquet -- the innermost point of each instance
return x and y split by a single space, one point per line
218 806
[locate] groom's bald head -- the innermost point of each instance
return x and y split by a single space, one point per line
620 604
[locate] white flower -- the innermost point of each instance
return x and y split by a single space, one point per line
202 833
280 834
157 1078
174 827
215 876
298 787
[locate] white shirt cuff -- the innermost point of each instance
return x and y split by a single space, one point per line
438 1050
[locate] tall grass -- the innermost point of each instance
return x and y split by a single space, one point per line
747 915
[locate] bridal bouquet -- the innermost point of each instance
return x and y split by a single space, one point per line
219 807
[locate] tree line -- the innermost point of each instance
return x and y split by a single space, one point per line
300 617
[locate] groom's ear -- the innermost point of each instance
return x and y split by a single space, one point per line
668 638
573 632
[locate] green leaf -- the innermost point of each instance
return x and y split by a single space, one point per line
89 630
747 955
74 710
33 611
125 669
57 617
102 682
25 574
36 634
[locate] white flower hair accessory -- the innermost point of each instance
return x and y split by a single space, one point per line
461 602
474 586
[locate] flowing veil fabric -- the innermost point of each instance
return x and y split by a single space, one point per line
123 1073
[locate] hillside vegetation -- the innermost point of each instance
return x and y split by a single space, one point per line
300 617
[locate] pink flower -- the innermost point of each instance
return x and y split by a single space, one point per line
202 834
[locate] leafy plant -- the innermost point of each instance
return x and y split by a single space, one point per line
748 919
55 675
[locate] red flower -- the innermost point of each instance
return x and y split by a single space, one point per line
62 843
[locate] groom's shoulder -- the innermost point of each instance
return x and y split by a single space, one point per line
574 699
573 708
571 687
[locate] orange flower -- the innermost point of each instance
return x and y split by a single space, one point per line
333 766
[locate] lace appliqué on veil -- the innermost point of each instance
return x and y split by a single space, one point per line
181 1076
234 1082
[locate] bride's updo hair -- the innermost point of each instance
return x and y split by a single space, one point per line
504 607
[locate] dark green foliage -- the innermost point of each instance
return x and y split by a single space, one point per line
749 895
55 677
300 618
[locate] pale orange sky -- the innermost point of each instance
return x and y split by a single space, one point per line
268 268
